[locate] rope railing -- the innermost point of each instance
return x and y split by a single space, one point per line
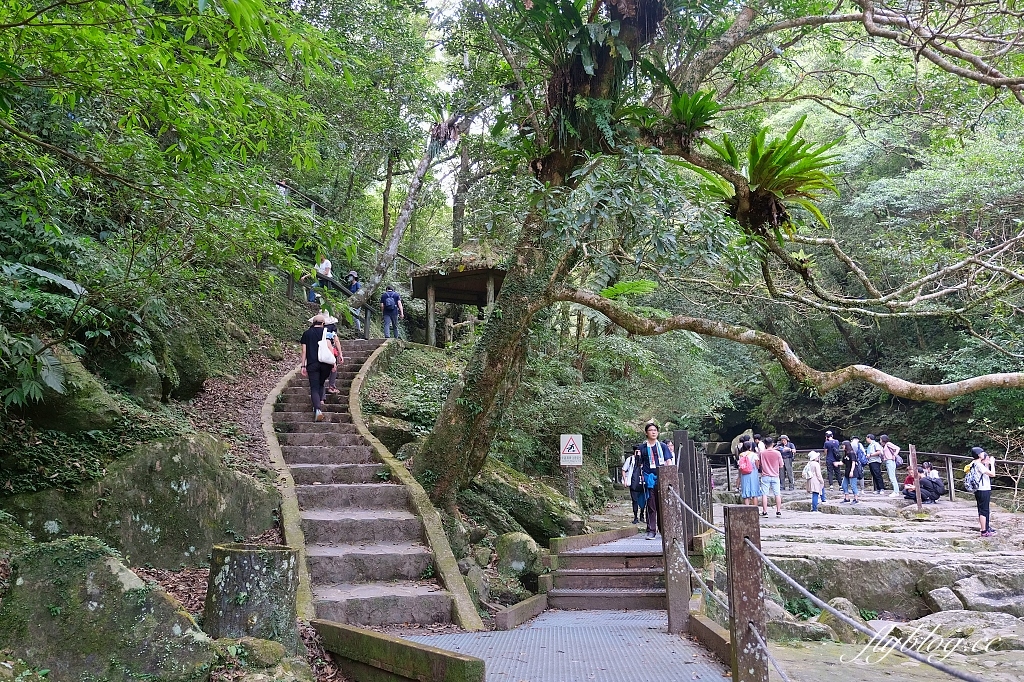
764 648
872 635
695 515
707 590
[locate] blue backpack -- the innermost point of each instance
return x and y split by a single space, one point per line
390 301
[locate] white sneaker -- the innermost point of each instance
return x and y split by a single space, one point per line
894 494
319 416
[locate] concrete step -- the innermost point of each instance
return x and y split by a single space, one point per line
332 439
291 417
610 560
382 603
368 563
313 426
346 526
307 474
622 578
330 454
353 495
300 401
302 388
606 599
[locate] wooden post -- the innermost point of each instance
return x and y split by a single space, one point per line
950 480
490 293
431 321
746 593
449 330
728 473
687 485
290 292
671 517
252 593
912 460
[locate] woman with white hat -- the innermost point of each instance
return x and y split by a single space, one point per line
813 478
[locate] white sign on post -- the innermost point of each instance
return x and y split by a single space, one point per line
571 450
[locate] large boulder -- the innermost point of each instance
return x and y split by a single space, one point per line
185 351
518 555
75 609
801 631
978 631
139 379
166 505
992 591
506 500
844 632
85 404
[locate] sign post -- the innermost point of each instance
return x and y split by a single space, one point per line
570 456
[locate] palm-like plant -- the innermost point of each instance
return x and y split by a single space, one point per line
692 114
781 173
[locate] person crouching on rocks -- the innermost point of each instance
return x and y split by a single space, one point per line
813 478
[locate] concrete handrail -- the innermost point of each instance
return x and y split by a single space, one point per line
291 521
464 611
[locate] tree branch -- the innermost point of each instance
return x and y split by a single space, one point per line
823 382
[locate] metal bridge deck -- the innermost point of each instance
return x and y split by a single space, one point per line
586 646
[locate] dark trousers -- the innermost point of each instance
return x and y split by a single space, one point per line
652 510
318 373
834 473
983 498
787 473
390 324
876 475
637 509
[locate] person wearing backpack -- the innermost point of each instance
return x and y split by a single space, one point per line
633 478
391 308
653 454
813 479
317 362
890 457
833 458
979 481
749 477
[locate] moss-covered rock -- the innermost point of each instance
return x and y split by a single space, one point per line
75 609
85 404
508 501
12 535
186 353
140 380
393 432
518 554
845 632
166 505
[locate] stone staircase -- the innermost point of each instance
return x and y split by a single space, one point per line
627 574
368 561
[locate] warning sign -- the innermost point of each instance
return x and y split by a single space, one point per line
571 450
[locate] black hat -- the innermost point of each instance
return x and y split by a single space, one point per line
389 288
977 451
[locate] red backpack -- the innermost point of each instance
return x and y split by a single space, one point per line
746 465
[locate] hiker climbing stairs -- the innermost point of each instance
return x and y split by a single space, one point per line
368 562
627 574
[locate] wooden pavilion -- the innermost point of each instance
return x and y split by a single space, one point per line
466 278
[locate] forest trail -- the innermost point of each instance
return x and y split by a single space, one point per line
368 561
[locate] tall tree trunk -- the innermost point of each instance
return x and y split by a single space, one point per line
459 199
389 176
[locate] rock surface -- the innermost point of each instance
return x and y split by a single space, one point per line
789 630
943 599
977 630
476 581
167 505
140 380
992 591
85 404
391 431
518 555
75 609
844 632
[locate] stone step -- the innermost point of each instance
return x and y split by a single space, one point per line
610 560
290 417
332 439
313 426
307 474
300 388
353 495
382 603
623 578
606 599
368 563
346 526
296 402
319 454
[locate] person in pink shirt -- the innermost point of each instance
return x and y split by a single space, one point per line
771 465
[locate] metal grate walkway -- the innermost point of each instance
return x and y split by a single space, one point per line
586 646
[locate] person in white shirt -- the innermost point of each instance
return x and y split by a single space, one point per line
983 495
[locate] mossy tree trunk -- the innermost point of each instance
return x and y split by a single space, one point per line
252 593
